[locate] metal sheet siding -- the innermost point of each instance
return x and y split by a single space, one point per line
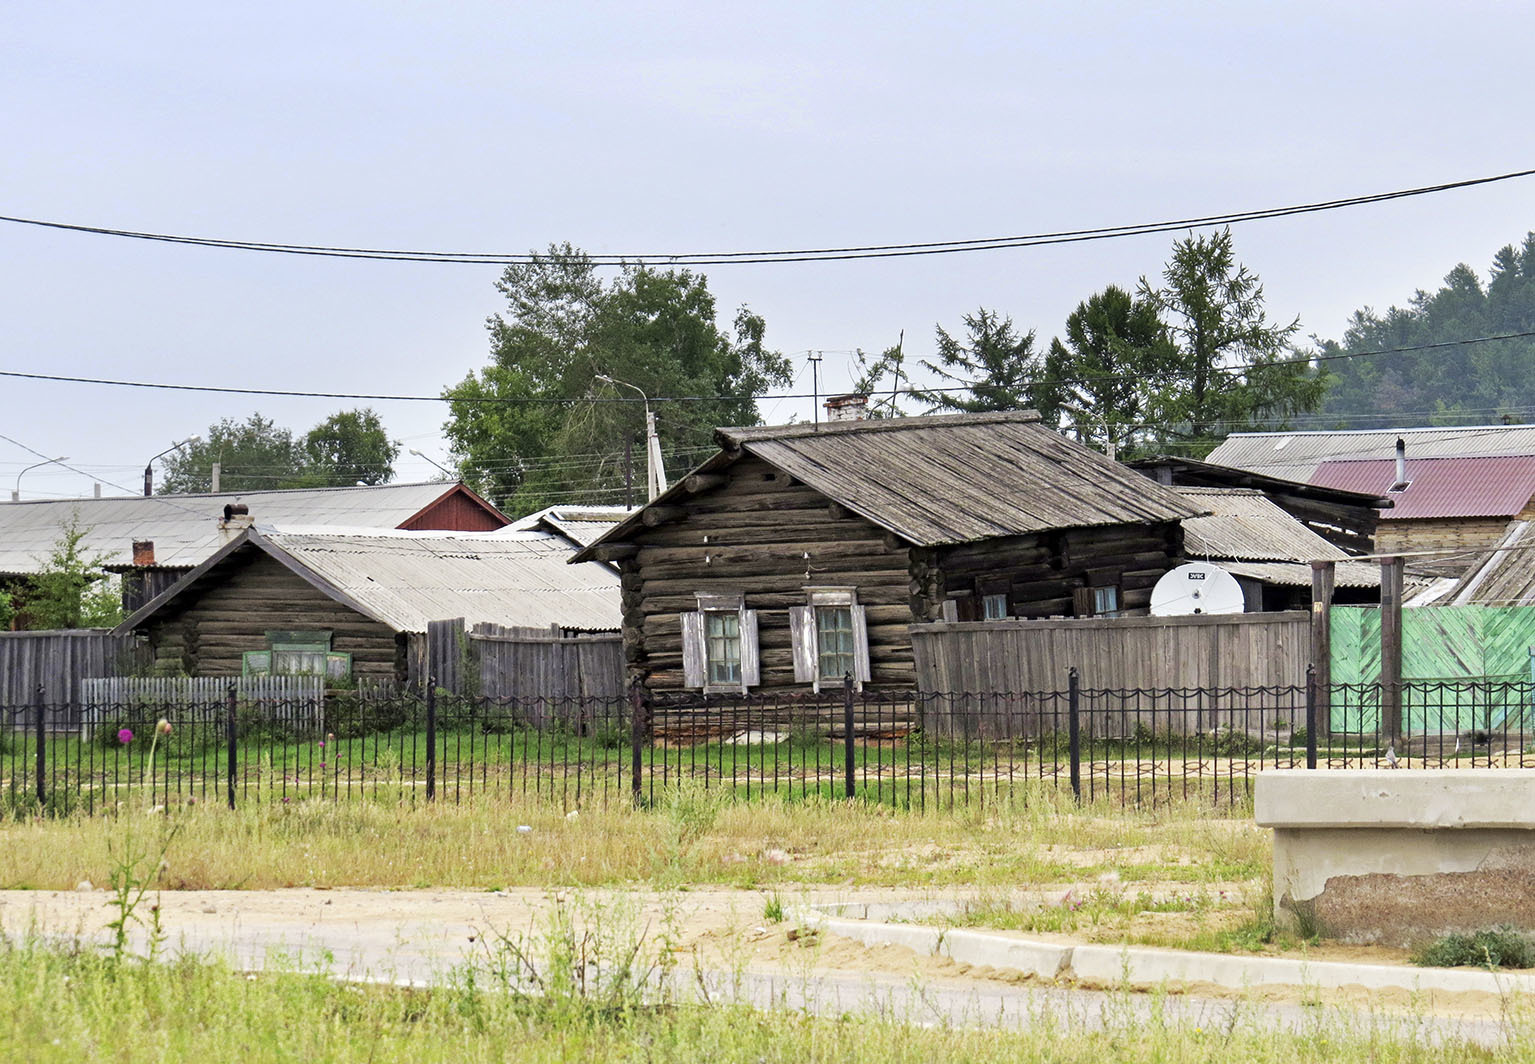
1441 487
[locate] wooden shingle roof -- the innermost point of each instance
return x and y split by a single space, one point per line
952 478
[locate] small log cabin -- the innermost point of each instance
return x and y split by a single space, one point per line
349 603
801 553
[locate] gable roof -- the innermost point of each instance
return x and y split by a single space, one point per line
185 529
1251 536
1441 487
948 478
1296 455
407 579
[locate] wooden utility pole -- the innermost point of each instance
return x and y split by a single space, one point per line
1323 575
1391 648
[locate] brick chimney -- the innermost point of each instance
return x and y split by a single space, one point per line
851 407
143 552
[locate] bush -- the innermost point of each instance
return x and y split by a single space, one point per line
348 716
1500 947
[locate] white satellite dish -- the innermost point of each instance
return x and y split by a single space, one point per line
1196 587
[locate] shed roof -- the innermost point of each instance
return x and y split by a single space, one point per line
406 579
582 525
1503 576
1250 536
185 529
1296 455
950 478
1441 487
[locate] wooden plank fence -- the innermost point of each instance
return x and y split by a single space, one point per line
295 702
999 664
525 664
49 668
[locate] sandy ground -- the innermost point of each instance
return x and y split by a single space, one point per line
720 939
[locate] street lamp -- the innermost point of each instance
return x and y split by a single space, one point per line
436 463
655 474
149 474
16 492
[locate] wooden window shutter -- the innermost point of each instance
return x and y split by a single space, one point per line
751 667
693 649
860 645
1082 601
802 638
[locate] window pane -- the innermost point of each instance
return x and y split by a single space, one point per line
834 641
722 646
1106 600
996 607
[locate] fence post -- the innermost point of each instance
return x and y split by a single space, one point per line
431 737
41 736
1311 714
847 727
637 715
231 737
1074 730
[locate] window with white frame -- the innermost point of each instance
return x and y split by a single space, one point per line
994 607
719 644
830 638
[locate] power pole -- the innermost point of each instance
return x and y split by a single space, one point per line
815 381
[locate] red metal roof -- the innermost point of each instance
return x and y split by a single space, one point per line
1439 487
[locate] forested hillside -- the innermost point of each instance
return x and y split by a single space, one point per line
1460 384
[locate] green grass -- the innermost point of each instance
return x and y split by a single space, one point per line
1498 947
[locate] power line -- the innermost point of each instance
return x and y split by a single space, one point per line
766 396
723 258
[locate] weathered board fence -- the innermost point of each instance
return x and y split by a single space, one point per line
49 667
1242 650
295 703
495 661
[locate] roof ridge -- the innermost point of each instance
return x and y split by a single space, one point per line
733 436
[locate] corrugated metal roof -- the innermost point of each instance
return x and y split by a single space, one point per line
1296 455
184 528
1297 574
1504 576
962 477
1441 487
1244 524
406 579
582 525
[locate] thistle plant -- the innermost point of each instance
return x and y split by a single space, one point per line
136 866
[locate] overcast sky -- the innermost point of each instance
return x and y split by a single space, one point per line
641 128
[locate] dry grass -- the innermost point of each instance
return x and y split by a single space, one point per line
693 838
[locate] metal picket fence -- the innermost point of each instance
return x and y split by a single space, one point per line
1131 746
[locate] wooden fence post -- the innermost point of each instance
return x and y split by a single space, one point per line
1391 649
1323 578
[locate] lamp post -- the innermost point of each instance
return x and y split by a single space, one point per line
149 473
438 464
655 474
16 492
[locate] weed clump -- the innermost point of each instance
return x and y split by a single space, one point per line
1499 947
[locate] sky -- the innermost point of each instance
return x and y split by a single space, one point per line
644 128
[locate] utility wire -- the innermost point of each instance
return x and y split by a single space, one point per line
767 396
722 258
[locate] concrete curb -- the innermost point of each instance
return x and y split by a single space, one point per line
1146 967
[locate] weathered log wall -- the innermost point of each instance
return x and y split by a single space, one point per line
205 632
768 536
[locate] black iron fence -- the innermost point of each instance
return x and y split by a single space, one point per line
911 751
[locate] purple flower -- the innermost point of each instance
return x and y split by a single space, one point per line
322 764
124 736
